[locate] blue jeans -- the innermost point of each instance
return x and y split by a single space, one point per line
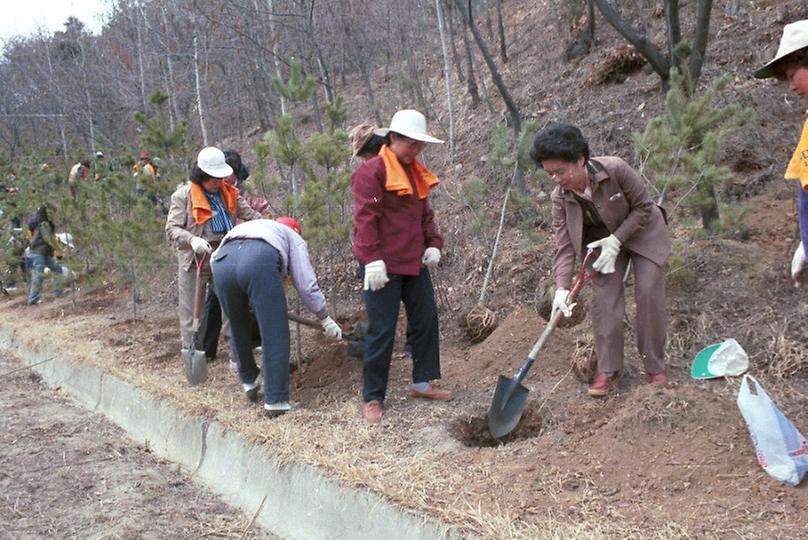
39 262
422 328
248 273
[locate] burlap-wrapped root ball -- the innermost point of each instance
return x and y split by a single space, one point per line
479 322
584 362
546 308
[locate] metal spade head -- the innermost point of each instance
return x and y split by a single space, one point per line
506 408
196 366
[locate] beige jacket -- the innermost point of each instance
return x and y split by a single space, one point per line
181 227
626 208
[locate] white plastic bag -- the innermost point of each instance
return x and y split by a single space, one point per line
782 451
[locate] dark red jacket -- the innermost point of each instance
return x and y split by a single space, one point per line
396 229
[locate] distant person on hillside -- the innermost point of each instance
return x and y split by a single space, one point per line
43 246
212 320
145 173
397 243
249 270
79 171
202 211
602 203
791 64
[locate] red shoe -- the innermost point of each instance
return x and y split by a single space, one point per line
658 378
372 411
604 384
432 392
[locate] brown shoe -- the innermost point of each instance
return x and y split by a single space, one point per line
604 384
659 379
372 411
432 392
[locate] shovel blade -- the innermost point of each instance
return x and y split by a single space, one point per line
507 407
196 366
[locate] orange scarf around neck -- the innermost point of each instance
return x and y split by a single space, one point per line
200 207
397 179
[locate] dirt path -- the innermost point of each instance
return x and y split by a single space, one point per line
66 473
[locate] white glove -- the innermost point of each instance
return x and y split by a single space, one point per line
200 245
375 275
431 257
560 302
798 264
609 248
331 328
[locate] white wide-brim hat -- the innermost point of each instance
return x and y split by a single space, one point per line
795 37
211 161
410 123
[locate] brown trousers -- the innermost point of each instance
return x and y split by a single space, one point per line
609 309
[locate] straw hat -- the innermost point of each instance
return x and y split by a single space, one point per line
360 135
795 37
409 123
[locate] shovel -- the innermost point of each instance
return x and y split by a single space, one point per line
313 324
196 365
510 396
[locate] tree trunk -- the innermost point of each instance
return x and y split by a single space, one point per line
709 210
471 84
199 108
173 114
503 48
275 57
455 57
644 46
448 77
513 110
700 41
674 31
142 73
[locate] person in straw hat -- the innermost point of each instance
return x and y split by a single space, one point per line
791 64
397 242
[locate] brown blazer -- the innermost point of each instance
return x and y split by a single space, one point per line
181 227
626 208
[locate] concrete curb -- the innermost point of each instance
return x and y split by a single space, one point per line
301 502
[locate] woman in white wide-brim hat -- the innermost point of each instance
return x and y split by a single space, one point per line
397 242
202 211
791 64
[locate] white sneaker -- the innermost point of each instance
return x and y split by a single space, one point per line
276 409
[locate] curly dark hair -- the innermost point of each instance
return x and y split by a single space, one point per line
373 146
559 141
197 175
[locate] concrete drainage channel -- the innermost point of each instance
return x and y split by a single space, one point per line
300 501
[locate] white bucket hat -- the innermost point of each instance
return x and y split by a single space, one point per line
211 161
410 123
795 37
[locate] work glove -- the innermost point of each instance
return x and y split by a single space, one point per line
331 328
798 264
200 245
375 275
431 257
609 248
560 303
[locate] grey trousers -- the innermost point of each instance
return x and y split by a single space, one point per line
609 309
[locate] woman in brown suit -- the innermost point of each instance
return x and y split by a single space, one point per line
603 203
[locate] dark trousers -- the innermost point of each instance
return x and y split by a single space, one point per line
247 273
422 318
211 324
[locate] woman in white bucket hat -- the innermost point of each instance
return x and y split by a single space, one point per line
791 64
202 211
397 242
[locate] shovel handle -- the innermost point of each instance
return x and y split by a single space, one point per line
200 263
583 277
312 324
